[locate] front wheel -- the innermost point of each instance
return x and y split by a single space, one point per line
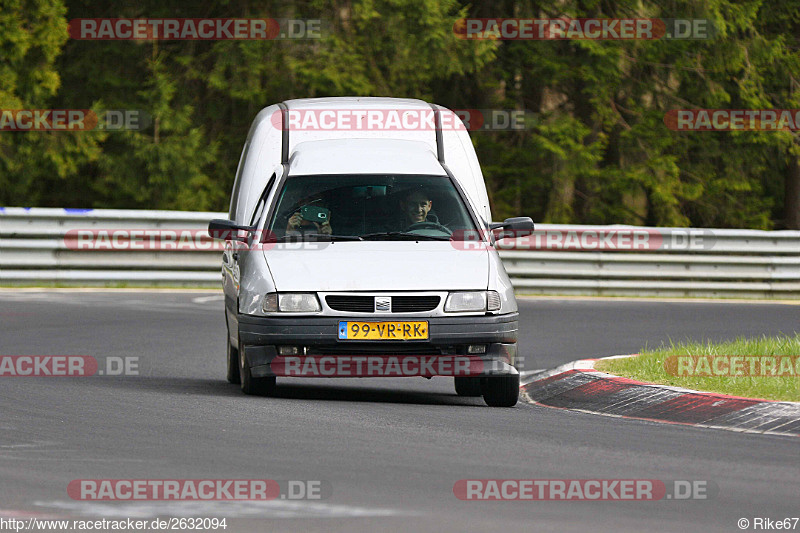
255 386
502 391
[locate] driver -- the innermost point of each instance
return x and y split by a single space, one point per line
415 208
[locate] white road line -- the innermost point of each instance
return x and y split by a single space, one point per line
204 299
21 513
227 509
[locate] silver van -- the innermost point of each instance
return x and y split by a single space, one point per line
360 244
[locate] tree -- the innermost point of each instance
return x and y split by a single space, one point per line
37 167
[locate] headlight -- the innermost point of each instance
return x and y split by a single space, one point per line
292 302
472 301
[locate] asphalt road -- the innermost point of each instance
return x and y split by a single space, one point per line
389 451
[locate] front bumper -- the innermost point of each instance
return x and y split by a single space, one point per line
448 338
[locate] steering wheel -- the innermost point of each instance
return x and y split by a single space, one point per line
429 225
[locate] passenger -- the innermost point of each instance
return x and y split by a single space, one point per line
297 225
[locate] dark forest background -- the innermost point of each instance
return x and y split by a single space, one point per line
598 153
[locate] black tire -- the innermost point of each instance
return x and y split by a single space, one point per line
255 386
233 365
502 391
470 387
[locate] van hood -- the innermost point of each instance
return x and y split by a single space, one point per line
377 266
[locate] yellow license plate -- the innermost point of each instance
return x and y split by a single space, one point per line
383 331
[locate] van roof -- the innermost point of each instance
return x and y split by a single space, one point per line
278 131
364 156
351 102
317 119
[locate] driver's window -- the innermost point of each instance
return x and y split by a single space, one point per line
262 201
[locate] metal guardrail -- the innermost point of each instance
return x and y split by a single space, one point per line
35 249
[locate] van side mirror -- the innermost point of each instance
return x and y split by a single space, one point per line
513 227
226 229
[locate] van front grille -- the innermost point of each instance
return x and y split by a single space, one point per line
366 304
414 304
351 304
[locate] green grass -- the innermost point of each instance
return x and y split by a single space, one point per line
650 366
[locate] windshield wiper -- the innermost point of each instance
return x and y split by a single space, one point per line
323 237
404 234
319 237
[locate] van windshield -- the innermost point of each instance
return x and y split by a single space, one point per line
370 207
